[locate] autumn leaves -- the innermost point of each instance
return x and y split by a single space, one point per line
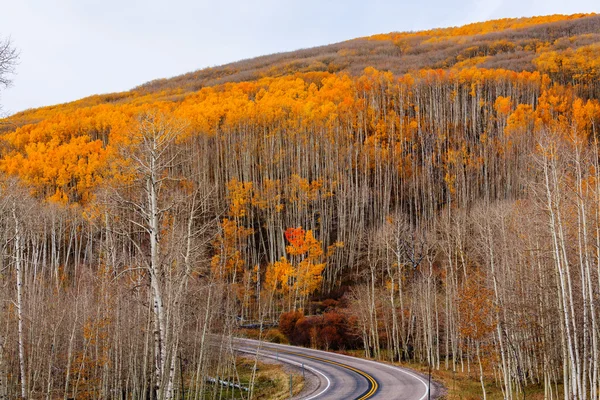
291 281
300 279
66 152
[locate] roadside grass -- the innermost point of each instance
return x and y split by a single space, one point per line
272 382
465 385
272 379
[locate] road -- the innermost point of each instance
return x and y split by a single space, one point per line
336 376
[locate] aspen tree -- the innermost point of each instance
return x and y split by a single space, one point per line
154 159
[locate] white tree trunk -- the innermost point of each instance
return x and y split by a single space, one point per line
155 271
19 271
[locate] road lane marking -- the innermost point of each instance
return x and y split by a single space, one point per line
394 367
373 385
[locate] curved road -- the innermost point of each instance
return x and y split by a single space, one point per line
344 377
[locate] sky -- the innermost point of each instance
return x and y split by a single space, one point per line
71 49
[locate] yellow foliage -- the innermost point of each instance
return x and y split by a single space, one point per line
239 196
480 28
228 260
304 277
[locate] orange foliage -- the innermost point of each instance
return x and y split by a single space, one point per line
503 105
64 152
240 195
476 309
303 278
582 64
332 330
480 28
279 276
228 261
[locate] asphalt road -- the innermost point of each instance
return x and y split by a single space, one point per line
336 376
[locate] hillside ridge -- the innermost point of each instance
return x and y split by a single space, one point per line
396 52
384 50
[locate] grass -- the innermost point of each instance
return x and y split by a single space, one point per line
465 385
272 382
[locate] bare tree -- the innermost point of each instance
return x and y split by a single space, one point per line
9 57
151 191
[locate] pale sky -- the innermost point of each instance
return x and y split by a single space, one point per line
75 48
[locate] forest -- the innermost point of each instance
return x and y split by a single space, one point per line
426 197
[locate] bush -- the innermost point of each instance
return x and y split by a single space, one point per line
332 330
287 322
329 304
275 336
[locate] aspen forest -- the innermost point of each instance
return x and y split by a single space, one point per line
433 197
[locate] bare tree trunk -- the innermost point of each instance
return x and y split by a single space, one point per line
155 272
3 378
19 272
481 373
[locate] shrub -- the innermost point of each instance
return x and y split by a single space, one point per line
275 336
287 322
332 330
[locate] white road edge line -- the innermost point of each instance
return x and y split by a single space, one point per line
362 359
297 364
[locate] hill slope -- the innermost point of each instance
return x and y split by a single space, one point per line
328 80
428 197
509 44
519 44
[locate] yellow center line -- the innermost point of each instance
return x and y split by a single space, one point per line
372 382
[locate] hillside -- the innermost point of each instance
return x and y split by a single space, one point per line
427 197
523 44
511 44
566 49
